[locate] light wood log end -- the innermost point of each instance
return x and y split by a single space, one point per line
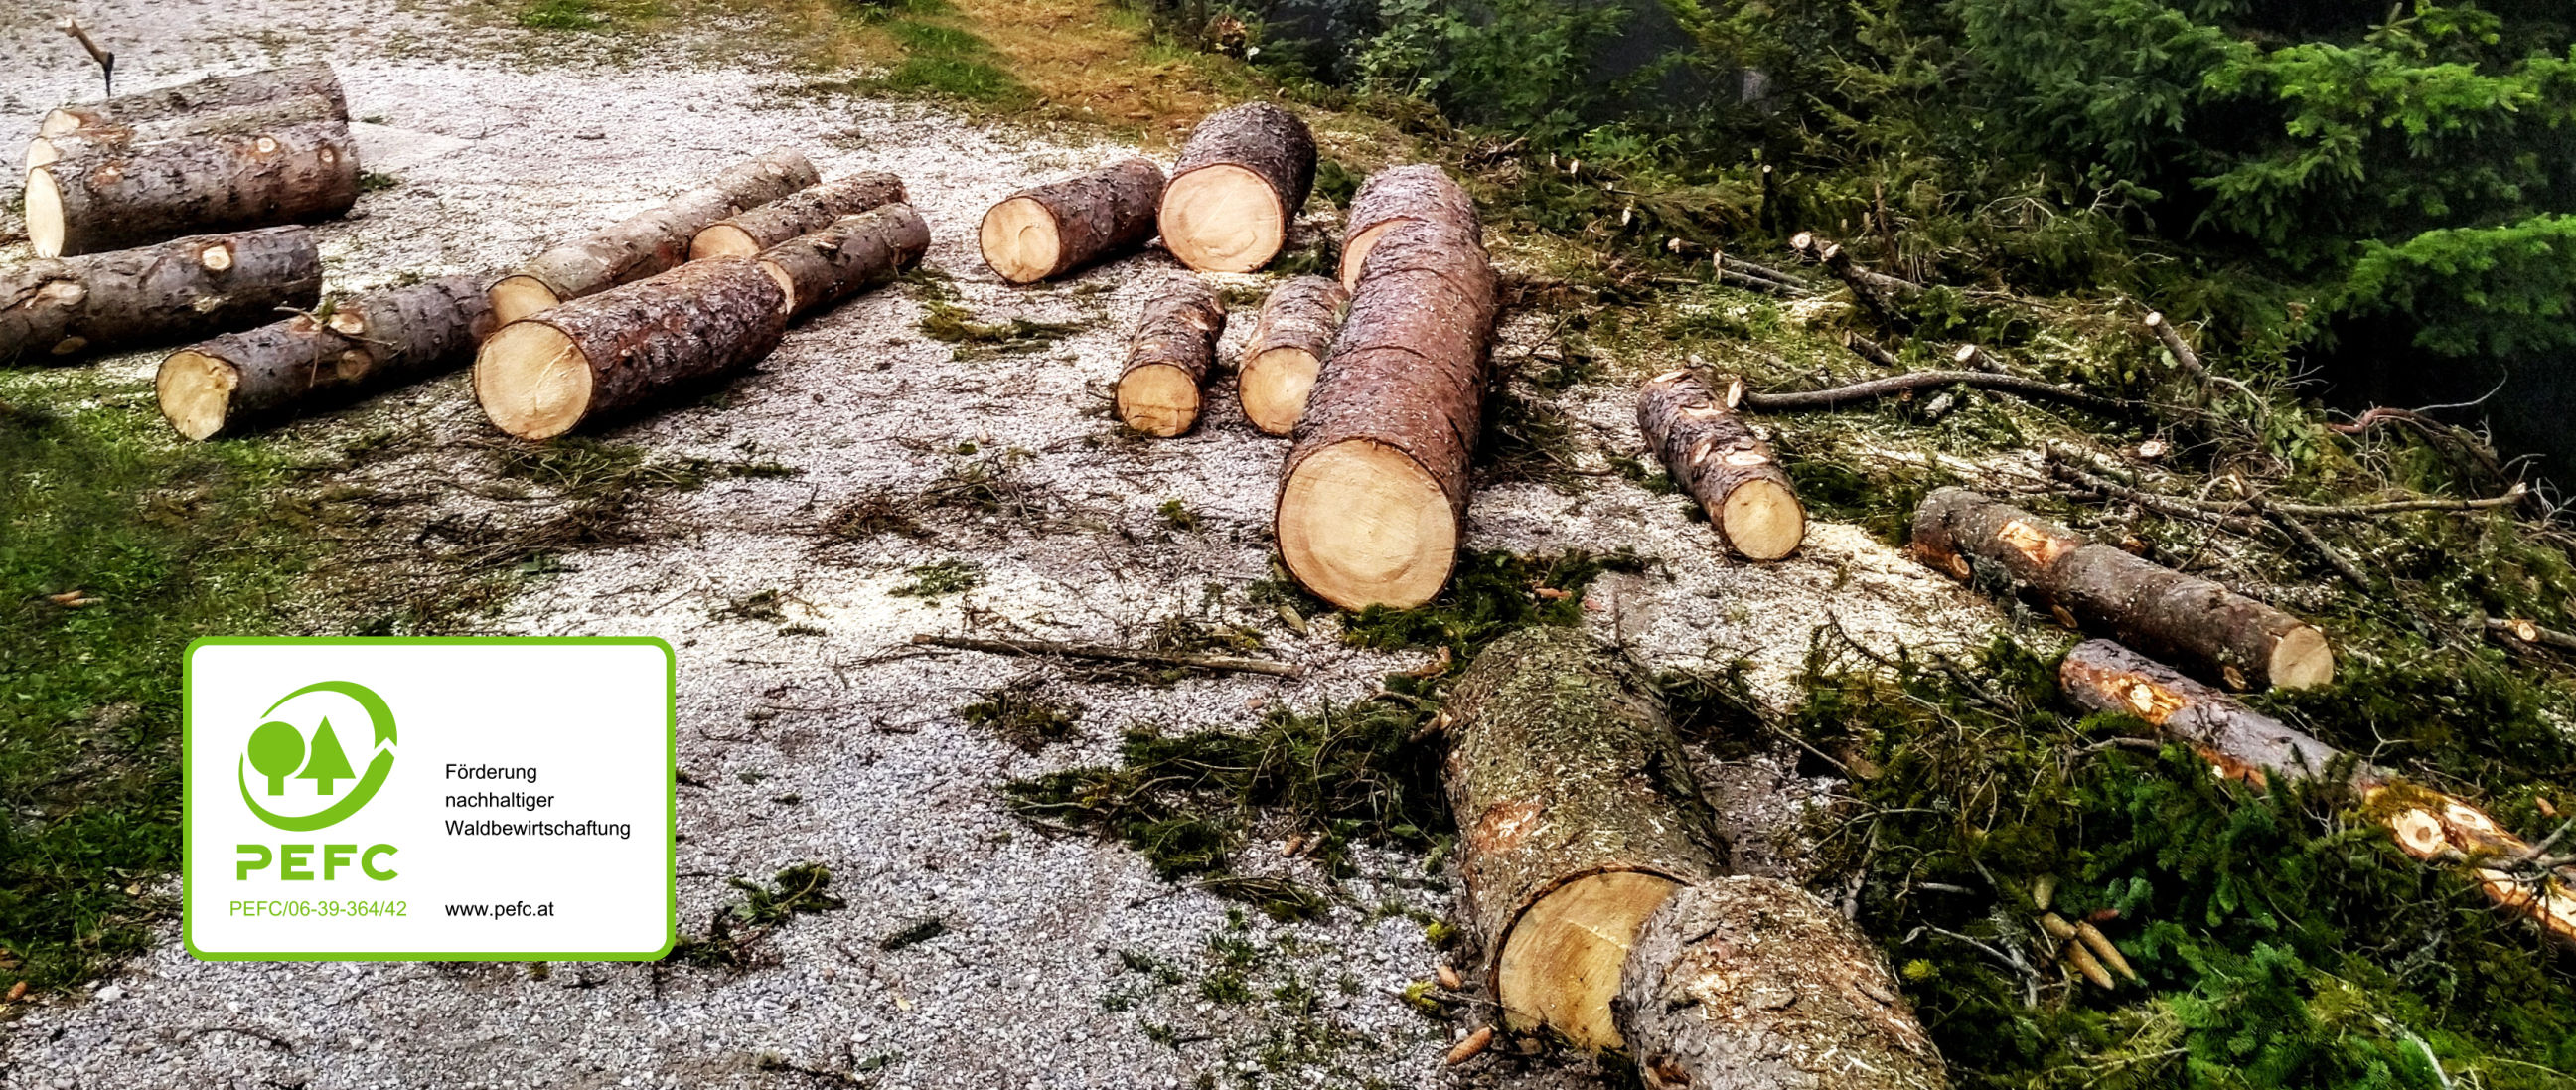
1274 384
1560 964
1363 524
196 392
1763 520
1355 253
1021 240
1158 399
516 297
532 381
723 240
46 228
1222 218
2301 658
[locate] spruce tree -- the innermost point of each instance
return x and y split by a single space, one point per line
327 764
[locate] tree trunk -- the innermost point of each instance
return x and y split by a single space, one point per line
251 120
1576 816
64 308
1288 346
1419 191
282 370
2215 632
651 243
1167 362
543 376
213 93
1045 232
800 213
850 256
112 198
2246 744
1715 457
1749 983
1237 187
1373 498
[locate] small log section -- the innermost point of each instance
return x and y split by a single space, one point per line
1745 983
2245 744
251 119
1236 189
66 308
850 256
1289 344
1577 816
1373 497
109 198
2215 632
1053 229
650 243
1169 358
1715 457
803 212
1417 191
282 370
540 377
213 93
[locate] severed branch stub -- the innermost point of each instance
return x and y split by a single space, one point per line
106 58
1108 653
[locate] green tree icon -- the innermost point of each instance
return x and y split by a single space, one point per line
275 750
328 763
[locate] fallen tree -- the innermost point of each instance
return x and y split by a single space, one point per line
1236 190
252 119
649 243
1049 230
542 376
211 94
66 308
1714 456
850 256
375 342
747 233
1169 357
1289 344
107 198
1397 195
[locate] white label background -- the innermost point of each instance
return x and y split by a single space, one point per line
593 719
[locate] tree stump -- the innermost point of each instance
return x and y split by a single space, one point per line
1236 190
1289 345
803 212
67 308
1050 230
1169 358
1417 191
1714 456
648 244
850 256
277 372
109 198
542 376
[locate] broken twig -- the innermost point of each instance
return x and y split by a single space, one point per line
1109 653
1919 380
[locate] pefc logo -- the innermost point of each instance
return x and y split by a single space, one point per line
278 751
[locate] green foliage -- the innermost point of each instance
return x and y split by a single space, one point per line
1021 713
736 929
940 578
327 764
942 58
1489 595
1522 65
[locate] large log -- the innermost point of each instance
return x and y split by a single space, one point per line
1236 189
109 198
850 256
1047 231
65 308
542 376
1714 456
2216 633
250 119
803 212
213 93
1417 191
1169 358
649 243
1373 498
374 342
1289 344
2245 744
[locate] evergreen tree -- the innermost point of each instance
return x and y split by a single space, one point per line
327 764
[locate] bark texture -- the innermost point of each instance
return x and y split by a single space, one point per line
1169 358
1417 191
800 213
703 319
651 243
850 256
251 119
1715 457
66 308
117 197
1047 231
209 94
2214 632
1206 219
1749 983
1289 345
281 370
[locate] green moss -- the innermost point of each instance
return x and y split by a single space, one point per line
736 929
940 578
1489 595
1020 712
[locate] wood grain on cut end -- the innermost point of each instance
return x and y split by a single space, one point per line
1362 524
44 212
2303 658
1158 399
723 240
516 297
1020 240
533 381
1763 520
1222 218
196 392
1289 343
1560 965
1273 385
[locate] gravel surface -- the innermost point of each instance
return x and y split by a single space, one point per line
816 734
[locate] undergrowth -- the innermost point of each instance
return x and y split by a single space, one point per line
736 930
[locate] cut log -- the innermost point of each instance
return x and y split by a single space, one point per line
2245 744
1053 229
803 212
65 308
251 120
1577 816
1418 191
279 371
1169 358
1288 347
1373 497
2214 632
650 243
1236 189
542 376
1746 983
1715 457
213 93
857 253
115 197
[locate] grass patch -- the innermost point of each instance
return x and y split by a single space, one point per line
586 14
940 578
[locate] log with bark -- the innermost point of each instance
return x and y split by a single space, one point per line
1169 358
205 96
803 212
1236 190
650 243
2245 744
107 198
2212 631
66 308
375 342
1373 497
1417 191
542 376
1714 456
857 253
251 119
1289 344
1047 231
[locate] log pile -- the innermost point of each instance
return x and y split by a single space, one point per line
1169 358
1050 230
803 212
1235 192
67 308
649 243
544 375
279 371
847 257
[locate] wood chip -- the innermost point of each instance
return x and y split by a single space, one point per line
1467 1049
1449 978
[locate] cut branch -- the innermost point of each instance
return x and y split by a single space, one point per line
1872 389
1108 653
